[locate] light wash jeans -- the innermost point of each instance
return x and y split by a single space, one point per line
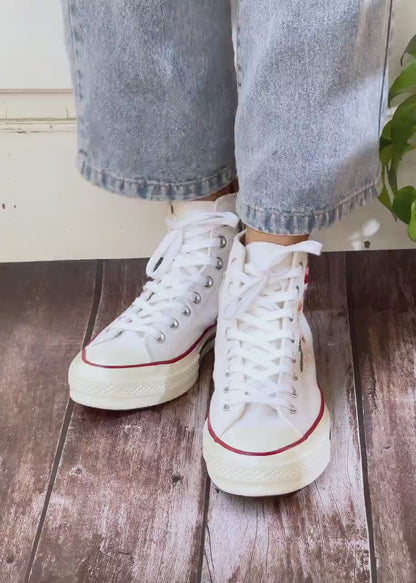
163 113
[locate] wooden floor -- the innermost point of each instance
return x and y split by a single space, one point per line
93 496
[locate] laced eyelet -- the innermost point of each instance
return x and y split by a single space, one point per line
298 290
228 353
227 374
220 263
209 282
301 264
223 241
160 337
226 389
186 311
295 377
292 409
292 340
197 298
226 407
174 323
294 392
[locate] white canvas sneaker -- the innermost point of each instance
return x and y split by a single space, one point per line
268 428
150 354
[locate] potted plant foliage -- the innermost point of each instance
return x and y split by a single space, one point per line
396 141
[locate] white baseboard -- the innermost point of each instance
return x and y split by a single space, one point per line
48 212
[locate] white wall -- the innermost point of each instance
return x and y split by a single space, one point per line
404 27
46 210
32 54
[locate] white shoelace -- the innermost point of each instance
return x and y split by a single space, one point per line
174 268
263 339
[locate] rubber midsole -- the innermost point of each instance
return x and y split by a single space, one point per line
297 461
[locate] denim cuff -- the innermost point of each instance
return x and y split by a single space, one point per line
285 222
197 187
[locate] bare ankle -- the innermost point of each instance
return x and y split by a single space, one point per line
232 187
253 236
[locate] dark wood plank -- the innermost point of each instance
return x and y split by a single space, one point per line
319 533
44 312
129 494
382 288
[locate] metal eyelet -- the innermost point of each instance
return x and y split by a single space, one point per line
174 323
220 263
186 311
226 407
223 241
197 298
292 409
209 282
160 337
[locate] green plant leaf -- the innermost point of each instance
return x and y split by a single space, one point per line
385 138
410 49
386 133
405 82
386 154
384 198
384 142
402 203
412 223
402 129
392 178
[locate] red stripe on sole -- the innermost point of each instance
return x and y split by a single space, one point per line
276 451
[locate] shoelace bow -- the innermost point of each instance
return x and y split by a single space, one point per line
262 340
173 269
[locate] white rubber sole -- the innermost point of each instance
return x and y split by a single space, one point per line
271 475
121 389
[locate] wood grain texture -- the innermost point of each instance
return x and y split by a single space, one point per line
128 499
382 289
44 312
319 533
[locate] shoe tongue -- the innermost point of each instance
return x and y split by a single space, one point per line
261 254
184 209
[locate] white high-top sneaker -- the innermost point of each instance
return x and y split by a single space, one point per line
150 354
268 428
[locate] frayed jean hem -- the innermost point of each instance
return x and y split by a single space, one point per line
292 223
198 187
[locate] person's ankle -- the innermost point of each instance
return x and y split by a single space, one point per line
253 236
229 189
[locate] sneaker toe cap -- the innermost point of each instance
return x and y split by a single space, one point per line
123 350
260 437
